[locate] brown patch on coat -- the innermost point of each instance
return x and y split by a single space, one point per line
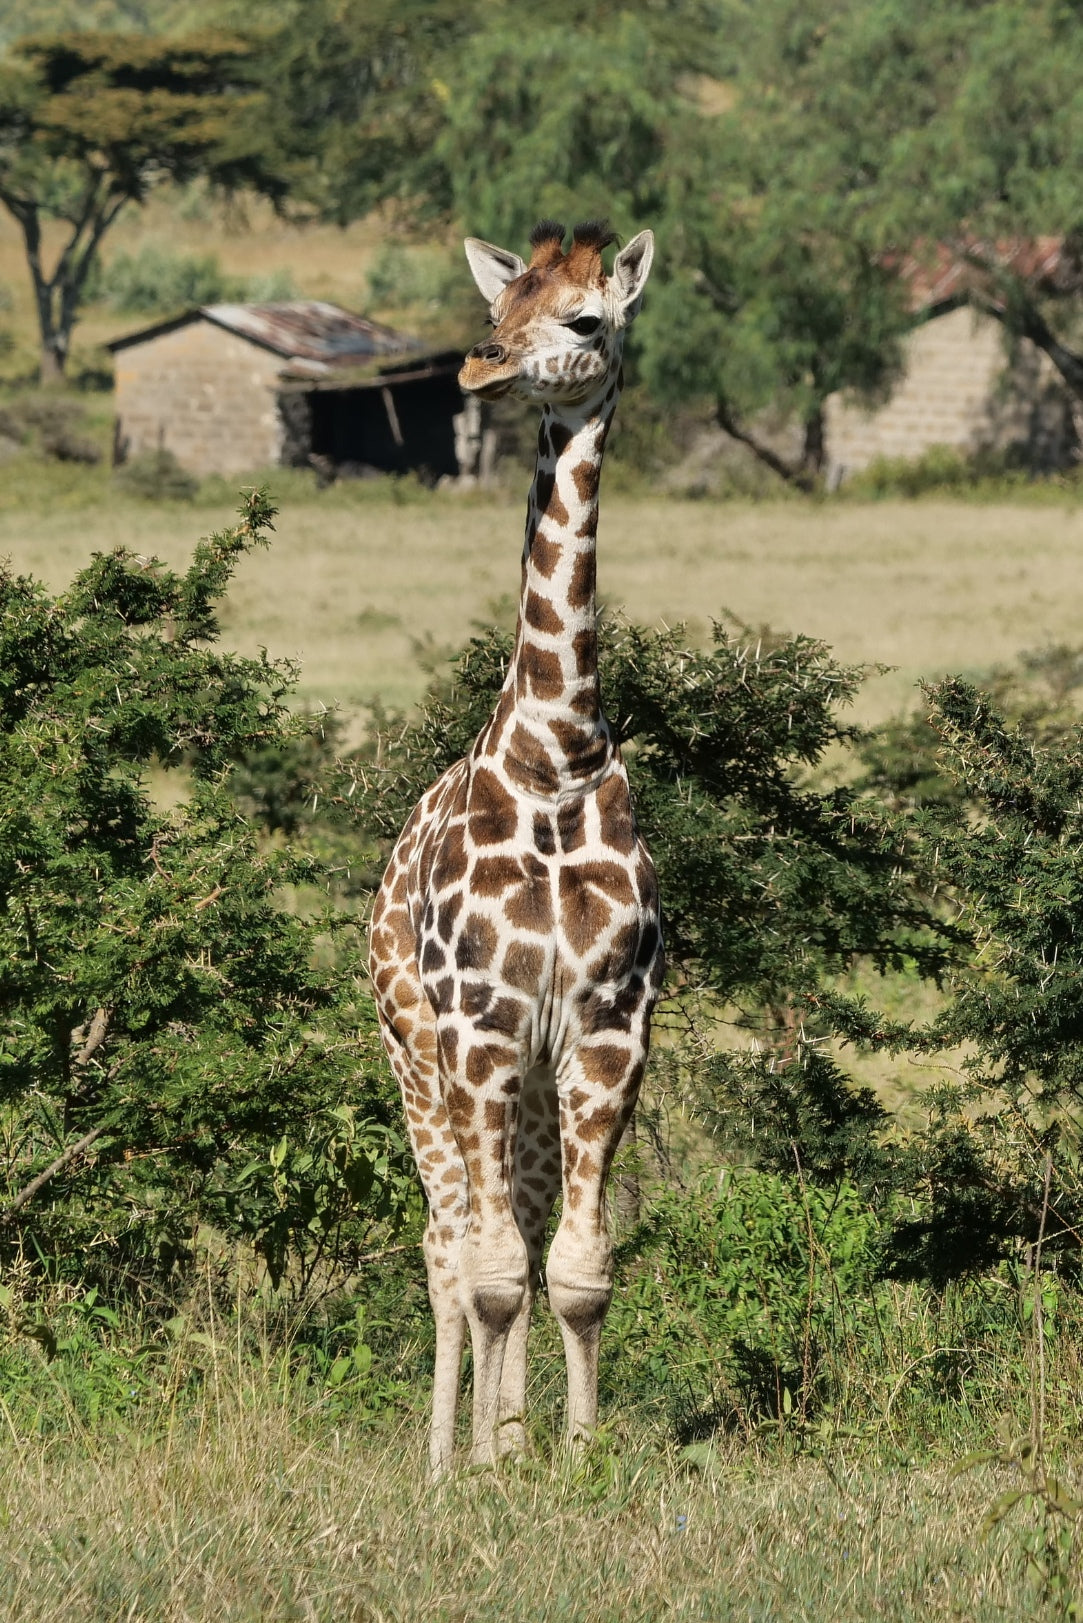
528 764
585 701
620 957
495 1116
451 863
585 649
545 555
541 614
522 966
586 476
449 1047
572 824
543 671
584 914
588 892
492 813
604 1063
459 1104
601 1123
584 579
492 876
584 747
494 729
476 945
448 913
615 814
485 1058
505 1016
544 841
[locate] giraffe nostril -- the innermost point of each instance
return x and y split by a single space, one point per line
489 352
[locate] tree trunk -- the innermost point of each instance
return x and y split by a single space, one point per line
53 358
800 476
815 448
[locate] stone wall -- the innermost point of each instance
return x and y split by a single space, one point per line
203 393
958 390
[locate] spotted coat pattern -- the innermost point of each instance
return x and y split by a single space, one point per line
516 949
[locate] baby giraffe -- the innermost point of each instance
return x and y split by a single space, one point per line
516 950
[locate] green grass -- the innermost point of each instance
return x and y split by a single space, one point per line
253 1502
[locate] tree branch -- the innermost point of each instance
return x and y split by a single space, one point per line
765 454
92 1037
1028 321
27 1193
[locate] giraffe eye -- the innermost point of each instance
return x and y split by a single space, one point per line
584 325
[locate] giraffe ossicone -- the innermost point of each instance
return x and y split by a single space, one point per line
516 948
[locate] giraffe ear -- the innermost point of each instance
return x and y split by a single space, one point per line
631 268
492 268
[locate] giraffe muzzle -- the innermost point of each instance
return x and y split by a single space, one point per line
488 371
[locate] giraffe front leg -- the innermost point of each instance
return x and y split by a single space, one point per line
597 1092
494 1292
535 1188
481 1082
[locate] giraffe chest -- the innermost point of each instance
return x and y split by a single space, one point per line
536 921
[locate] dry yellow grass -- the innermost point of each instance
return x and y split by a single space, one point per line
247 1508
353 583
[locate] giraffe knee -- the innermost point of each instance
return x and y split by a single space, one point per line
496 1304
493 1281
580 1285
580 1308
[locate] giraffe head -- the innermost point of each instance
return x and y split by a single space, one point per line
559 321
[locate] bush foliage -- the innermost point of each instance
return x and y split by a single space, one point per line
179 1047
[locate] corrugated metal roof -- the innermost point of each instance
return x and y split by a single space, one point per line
946 272
306 330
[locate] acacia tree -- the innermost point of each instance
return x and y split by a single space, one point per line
766 301
924 127
454 110
92 122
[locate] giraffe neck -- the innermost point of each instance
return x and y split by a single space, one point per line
549 727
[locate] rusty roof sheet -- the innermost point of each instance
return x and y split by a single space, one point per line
309 329
950 272
303 330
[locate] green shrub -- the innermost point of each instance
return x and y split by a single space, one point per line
155 279
175 1040
941 469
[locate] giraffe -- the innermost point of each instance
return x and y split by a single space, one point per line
516 949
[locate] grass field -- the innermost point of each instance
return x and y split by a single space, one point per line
357 584
255 1504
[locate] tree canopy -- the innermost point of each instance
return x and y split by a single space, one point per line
90 122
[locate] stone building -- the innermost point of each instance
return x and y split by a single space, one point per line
961 388
230 388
